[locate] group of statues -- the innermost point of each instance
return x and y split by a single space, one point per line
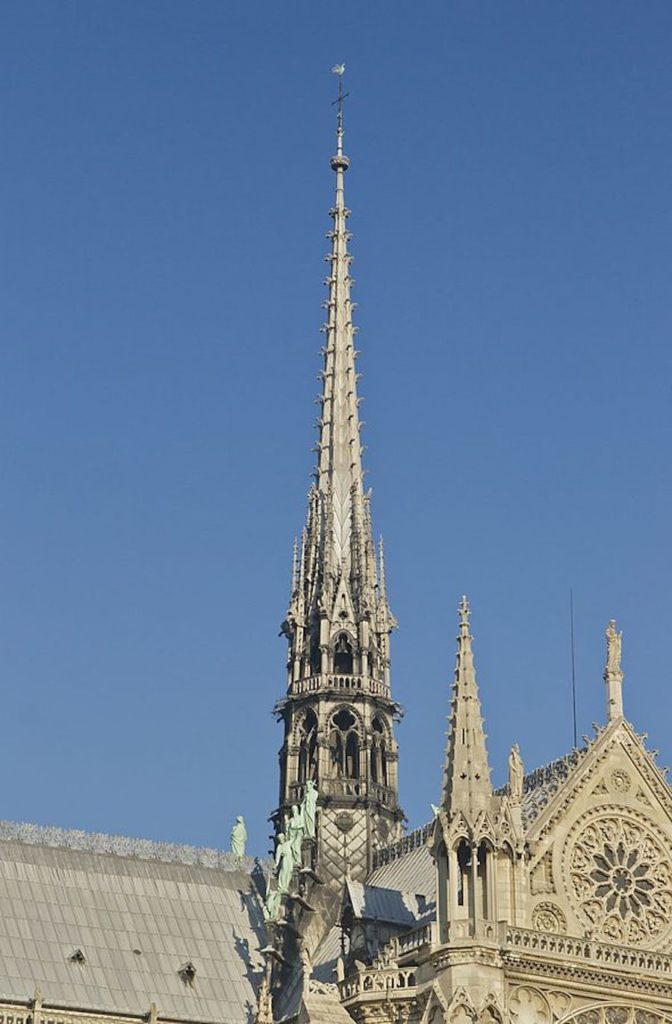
299 825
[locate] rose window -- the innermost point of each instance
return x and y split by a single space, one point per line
622 880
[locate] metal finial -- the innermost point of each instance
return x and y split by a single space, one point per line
339 70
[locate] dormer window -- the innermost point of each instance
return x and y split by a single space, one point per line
77 957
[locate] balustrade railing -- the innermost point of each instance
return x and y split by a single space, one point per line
603 953
386 979
348 683
421 936
357 788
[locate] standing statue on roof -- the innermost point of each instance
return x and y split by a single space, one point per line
238 837
515 774
614 642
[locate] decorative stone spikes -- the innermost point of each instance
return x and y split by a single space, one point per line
466 786
381 570
613 673
337 550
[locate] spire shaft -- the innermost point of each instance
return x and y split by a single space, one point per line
339 468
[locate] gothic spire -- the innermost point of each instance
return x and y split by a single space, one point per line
338 711
339 476
466 783
337 575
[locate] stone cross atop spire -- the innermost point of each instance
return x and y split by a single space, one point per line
466 783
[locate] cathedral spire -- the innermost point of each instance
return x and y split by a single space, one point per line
339 476
466 784
335 588
338 712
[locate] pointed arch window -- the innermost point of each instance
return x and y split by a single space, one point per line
482 862
378 752
307 738
343 655
344 744
463 879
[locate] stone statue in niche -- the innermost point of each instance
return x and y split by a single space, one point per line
309 808
295 830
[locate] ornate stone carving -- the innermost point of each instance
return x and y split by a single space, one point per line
616 1014
547 917
559 1002
619 878
528 1006
620 780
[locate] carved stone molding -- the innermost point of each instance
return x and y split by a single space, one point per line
548 917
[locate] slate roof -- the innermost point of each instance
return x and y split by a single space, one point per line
373 903
412 872
324 962
137 919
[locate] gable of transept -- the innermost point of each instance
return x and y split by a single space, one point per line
600 863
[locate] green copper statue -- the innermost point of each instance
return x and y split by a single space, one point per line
309 808
238 837
284 863
272 905
295 829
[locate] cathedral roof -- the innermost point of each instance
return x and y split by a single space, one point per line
407 865
107 923
394 906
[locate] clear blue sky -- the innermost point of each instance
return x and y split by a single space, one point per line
165 186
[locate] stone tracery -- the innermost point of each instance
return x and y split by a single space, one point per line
620 880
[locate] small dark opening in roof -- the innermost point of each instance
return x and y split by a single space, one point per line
77 957
187 972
